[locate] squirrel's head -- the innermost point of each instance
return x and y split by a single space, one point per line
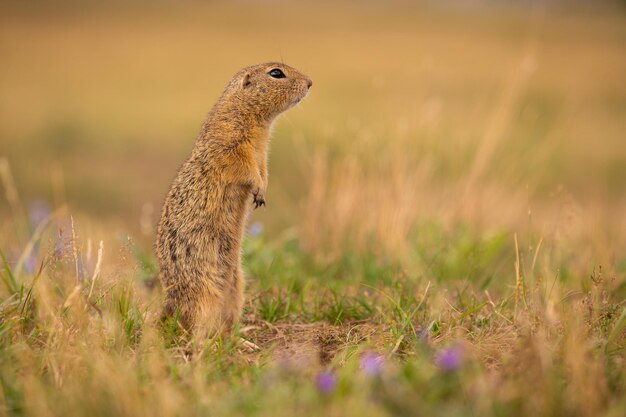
269 89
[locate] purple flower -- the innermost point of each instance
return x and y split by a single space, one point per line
256 229
39 211
326 382
423 333
450 359
30 265
62 244
372 363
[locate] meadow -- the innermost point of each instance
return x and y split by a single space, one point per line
444 232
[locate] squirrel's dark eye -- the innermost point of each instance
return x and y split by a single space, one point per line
276 73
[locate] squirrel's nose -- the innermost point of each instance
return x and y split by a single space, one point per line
309 83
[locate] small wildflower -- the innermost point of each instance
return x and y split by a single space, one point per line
38 211
62 244
450 359
423 333
372 363
30 265
326 382
256 229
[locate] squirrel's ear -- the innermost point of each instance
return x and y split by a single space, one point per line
245 80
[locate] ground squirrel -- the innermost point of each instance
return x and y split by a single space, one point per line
202 224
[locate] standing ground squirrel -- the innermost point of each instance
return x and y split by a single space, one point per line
203 218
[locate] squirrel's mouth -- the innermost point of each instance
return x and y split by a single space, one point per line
298 99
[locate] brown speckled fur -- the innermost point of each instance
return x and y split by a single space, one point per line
203 219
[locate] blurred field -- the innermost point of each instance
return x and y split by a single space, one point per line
445 230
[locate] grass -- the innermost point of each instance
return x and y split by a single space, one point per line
465 344
444 231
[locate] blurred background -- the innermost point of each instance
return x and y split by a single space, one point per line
445 228
497 115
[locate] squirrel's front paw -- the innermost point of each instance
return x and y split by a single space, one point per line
258 199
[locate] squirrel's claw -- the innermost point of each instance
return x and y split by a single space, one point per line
258 201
